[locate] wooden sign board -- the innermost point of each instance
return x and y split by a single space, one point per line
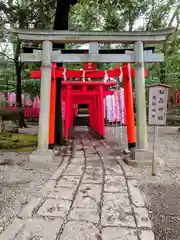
158 98
90 66
177 97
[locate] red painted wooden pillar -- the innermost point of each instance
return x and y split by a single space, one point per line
67 112
101 111
71 111
71 115
90 114
129 108
52 107
74 114
98 115
93 114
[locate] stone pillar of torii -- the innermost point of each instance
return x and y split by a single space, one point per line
46 56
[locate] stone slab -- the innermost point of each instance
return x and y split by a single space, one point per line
93 170
59 171
146 235
89 196
76 171
91 151
47 188
92 157
115 171
140 158
96 163
27 211
135 193
93 175
115 213
76 165
79 160
115 200
55 208
142 217
107 157
119 233
79 231
41 157
112 163
63 193
93 179
79 155
50 184
40 229
136 163
12 230
115 184
68 181
84 214
128 170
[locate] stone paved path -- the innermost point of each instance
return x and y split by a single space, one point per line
89 197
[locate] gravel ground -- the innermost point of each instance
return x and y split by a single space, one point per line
162 192
19 181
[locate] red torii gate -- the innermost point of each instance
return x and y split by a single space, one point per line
67 73
92 93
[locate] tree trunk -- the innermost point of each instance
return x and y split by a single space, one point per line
60 23
162 73
18 67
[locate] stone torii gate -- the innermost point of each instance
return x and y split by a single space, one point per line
47 56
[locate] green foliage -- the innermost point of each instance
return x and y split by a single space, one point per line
7 77
111 15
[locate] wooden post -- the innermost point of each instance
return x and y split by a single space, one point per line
129 109
67 113
52 108
101 111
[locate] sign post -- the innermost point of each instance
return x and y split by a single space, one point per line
158 100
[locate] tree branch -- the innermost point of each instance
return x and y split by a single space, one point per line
174 16
5 55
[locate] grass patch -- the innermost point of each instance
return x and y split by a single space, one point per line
18 142
25 150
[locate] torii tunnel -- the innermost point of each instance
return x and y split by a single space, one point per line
91 93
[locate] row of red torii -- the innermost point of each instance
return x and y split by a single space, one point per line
91 93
